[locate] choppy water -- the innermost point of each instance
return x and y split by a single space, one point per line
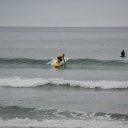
90 90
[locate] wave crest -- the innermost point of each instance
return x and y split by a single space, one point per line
70 64
62 118
60 114
35 82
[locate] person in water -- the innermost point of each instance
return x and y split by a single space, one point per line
122 53
61 57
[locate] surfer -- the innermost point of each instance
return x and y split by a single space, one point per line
122 53
61 57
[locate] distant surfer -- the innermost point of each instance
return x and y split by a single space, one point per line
61 57
122 54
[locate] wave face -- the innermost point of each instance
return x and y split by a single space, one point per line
47 113
22 63
38 117
70 64
36 82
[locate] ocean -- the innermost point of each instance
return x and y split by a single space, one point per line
90 90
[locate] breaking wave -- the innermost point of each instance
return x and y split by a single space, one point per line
35 82
38 117
48 113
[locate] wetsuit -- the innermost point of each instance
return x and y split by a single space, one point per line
60 57
123 53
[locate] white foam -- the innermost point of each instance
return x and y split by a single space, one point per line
54 61
33 82
63 123
22 82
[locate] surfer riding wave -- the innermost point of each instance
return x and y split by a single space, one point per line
61 58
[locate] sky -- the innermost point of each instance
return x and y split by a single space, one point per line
64 13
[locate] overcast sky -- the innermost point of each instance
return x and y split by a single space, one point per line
64 13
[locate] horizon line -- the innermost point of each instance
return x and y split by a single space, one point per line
67 26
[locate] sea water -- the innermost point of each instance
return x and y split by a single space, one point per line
89 90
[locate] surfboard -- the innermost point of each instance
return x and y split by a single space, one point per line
122 56
58 64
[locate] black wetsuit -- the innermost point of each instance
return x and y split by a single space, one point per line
59 58
122 54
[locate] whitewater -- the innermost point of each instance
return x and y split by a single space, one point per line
35 82
89 90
